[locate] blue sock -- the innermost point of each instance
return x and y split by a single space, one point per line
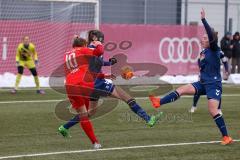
173 96
195 100
75 120
138 110
221 124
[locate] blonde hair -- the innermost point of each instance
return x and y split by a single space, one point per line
25 37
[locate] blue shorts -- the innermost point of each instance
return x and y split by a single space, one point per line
213 90
102 88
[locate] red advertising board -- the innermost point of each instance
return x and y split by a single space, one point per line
173 46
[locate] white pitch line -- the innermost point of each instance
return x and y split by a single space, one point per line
58 100
32 101
111 149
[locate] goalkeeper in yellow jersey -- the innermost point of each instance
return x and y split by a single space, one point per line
26 56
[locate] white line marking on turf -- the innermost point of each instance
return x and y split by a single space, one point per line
32 101
111 149
58 100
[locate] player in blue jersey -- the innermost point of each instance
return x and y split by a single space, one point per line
197 96
103 88
210 80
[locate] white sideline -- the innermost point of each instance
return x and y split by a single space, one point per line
58 100
32 101
111 149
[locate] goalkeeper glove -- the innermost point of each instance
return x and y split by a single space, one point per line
113 61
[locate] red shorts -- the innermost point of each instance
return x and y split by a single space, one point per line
78 101
79 95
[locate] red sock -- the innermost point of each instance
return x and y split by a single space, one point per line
88 129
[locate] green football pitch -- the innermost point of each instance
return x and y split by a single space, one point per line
29 130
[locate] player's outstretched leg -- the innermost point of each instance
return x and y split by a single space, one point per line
173 96
135 107
194 105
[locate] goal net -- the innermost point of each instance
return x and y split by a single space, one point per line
50 24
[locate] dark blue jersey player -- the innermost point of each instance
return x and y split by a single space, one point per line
197 96
103 88
210 80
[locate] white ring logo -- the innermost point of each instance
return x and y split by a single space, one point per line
176 46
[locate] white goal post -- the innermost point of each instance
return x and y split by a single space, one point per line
95 2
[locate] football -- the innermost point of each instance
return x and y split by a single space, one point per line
127 72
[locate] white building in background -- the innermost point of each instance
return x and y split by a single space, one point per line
215 10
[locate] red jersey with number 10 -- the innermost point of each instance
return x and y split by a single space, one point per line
77 73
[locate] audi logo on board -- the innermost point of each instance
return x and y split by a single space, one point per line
179 50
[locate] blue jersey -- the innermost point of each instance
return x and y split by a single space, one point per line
102 87
209 63
210 66
223 59
96 63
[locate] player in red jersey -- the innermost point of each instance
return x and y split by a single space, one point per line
101 88
79 82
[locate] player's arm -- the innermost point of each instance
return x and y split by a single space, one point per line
18 54
110 62
94 66
103 76
99 49
212 39
106 63
35 54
